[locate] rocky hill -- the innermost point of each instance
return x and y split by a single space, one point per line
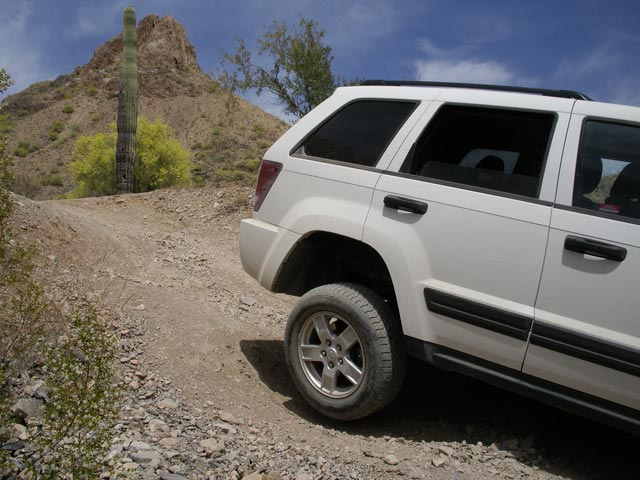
45 119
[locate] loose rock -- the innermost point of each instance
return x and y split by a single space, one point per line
390 459
167 403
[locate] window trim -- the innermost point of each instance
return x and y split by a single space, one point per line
596 213
501 193
471 188
292 152
578 159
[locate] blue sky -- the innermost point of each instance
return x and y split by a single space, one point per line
587 45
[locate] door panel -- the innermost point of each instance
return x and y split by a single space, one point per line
586 333
476 255
466 268
596 300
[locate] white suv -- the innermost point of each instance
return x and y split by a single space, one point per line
492 231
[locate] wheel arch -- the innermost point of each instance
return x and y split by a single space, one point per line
321 257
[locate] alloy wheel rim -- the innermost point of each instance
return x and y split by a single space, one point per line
331 355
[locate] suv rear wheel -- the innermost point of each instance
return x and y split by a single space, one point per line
343 346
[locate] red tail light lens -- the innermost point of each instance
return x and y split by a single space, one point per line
269 171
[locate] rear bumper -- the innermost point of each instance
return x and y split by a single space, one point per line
263 249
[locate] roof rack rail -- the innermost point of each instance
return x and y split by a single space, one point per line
502 88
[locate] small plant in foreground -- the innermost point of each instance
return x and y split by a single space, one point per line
84 400
79 369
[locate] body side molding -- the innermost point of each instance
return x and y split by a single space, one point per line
584 347
573 401
500 321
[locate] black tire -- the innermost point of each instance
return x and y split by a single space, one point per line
354 381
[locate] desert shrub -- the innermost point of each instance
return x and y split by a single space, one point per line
21 308
26 185
93 165
161 161
68 109
6 124
83 398
250 165
55 130
228 175
75 131
21 152
202 155
78 368
57 127
258 132
52 179
24 148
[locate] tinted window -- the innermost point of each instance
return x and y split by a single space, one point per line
489 148
608 169
359 133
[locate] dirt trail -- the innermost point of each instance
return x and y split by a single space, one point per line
169 259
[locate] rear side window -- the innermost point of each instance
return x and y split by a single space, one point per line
608 169
359 133
496 149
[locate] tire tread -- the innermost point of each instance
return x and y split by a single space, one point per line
386 337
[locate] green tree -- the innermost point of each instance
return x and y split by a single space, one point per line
5 80
299 71
162 162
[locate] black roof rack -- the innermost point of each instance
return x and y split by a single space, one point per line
502 88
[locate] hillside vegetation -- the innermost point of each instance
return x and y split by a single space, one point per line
227 139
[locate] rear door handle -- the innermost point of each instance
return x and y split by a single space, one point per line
595 248
405 204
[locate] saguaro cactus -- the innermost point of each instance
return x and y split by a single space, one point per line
127 105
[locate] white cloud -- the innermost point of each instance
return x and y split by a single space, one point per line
468 71
18 21
427 46
592 71
96 21
459 65
360 23
20 55
349 26
603 58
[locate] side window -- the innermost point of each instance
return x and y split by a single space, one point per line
497 149
608 169
359 133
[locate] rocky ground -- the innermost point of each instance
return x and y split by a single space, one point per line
207 392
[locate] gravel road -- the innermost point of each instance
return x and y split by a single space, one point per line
208 394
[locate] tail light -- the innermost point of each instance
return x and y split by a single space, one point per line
269 171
